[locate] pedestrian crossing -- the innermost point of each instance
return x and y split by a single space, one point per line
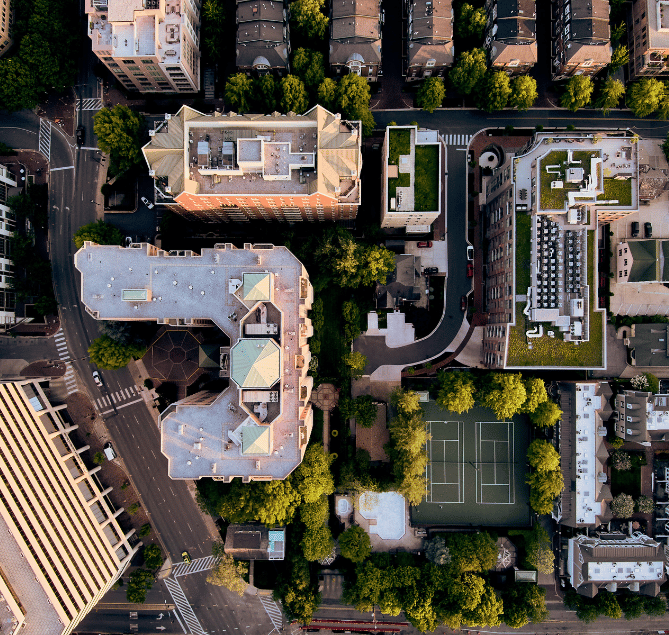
45 138
61 346
273 611
123 396
93 103
182 604
197 565
70 380
458 139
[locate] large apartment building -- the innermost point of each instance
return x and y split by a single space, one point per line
151 46
263 37
648 36
355 38
581 37
258 298
430 50
412 192
543 206
6 24
244 167
511 35
62 547
7 224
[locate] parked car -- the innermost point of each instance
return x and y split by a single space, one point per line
647 230
81 135
147 202
96 378
186 557
463 303
109 451
430 271
425 244
635 229
470 252
470 270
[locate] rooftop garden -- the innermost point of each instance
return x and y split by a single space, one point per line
547 351
426 179
403 180
523 252
617 190
399 142
555 198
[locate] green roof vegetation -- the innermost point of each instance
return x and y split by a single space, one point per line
617 190
403 180
555 198
426 183
399 142
548 351
523 252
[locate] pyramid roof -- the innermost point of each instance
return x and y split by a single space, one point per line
256 440
256 363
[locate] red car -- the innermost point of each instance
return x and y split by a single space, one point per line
426 244
463 303
470 270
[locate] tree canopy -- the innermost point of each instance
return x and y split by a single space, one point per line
503 393
470 22
577 92
307 18
538 550
353 95
610 93
317 543
265 93
523 92
622 506
524 603
354 544
119 133
309 66
110 355
229 573
456 391
494 91
619 58
542 456
645 96
99 232
297 591
468 71
362 408
239 92
431 94
293 95
153 556
327 94
546 414
546 481
535 391
139 583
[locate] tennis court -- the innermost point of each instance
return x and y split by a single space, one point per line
476 469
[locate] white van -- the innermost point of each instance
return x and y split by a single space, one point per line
109 451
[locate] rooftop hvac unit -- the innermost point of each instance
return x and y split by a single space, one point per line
152 133
168 117
152 173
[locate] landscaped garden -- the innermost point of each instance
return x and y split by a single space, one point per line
399 142
617 190
403 180
555 198
555 351
426 179
523 252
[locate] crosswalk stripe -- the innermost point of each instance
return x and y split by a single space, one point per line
273 611
113 397
184 606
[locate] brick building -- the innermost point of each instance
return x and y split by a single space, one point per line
511 35
430 50
6 22
648 35
263 37
244 167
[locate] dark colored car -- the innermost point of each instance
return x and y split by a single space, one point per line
635 229
463 303
81 135
430 271
470 270
647 230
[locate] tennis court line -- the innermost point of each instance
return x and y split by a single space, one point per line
510 484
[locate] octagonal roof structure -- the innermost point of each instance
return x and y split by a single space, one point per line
255 363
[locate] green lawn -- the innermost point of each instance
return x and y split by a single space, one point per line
548 351
552 199
403 180
426 182
523 252
617 190
626 482
399 142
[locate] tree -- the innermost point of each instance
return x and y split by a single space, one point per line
327 94
610 93
215 22
621 461
140 582
468 71
437 551
119 133
293 95
539 551
354 544
363 409
317 543
144 530
99 232
665 147
523 92
153 556
239 92
309 66
110 355
405 401
622 506
313 479
620 57
99 458
315 514
431 94
504 393
355 363
229 573
546 414
655 606
470 23
608 605
644 97
456 391
645 505
524 603
308 18
353 95
472 552
535 391
297 591
265 90
542 456
494 91
577 93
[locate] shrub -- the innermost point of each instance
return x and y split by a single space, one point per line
617 443
620 461
98 458
645 505
639 382
133 509
144 530
622 506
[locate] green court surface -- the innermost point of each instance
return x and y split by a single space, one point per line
476 471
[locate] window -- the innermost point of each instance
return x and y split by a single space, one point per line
513 63
586 63
147 61
430 63
128 61
620 252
